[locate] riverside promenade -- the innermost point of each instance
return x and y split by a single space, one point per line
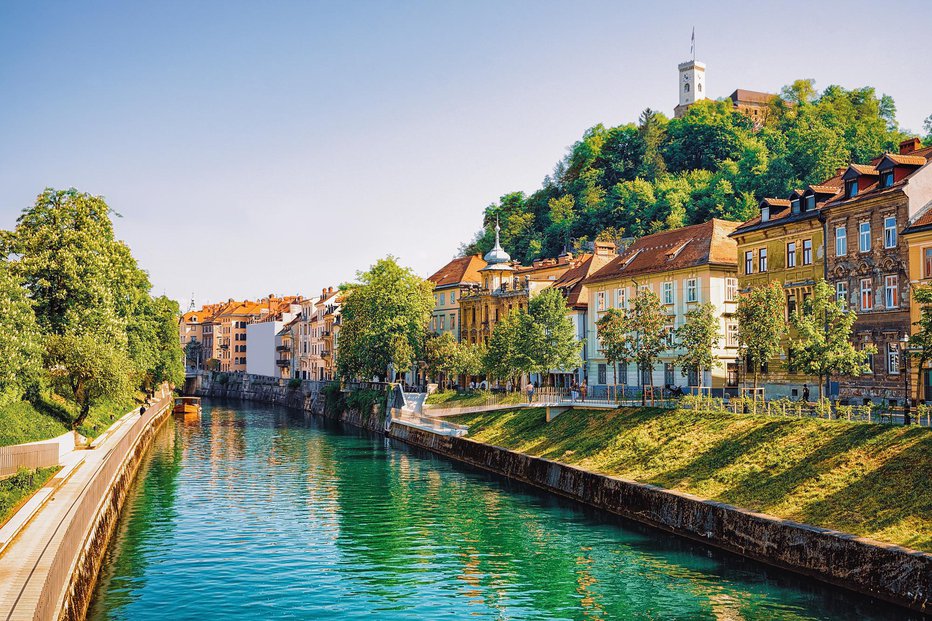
37 565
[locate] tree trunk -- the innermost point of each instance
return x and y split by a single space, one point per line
615 382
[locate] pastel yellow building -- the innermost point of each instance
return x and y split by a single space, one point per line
685 267
918 237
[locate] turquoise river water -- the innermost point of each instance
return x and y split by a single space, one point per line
257 512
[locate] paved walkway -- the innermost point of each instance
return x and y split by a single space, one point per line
27 559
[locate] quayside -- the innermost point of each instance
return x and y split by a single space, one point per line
258 512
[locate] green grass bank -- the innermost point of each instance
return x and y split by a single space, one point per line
866 479
50 416
16 489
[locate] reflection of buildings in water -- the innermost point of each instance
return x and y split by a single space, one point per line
584 581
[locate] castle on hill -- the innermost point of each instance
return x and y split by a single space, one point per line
692 88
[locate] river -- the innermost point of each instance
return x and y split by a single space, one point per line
258 512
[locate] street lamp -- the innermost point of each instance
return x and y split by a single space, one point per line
904 354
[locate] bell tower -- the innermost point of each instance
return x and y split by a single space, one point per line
691 85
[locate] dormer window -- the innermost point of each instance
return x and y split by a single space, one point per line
886 178
851 188
794 205
765 213
810 202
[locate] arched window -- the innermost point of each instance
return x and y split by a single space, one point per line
699 87
686 88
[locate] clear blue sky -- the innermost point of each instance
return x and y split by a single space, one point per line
277 147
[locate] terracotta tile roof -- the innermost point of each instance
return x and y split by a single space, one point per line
864 169
744 96
777 202
905 160
459 270
825 188
922 221
699 244
571 283
924 154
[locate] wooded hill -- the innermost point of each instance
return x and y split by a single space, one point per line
662 173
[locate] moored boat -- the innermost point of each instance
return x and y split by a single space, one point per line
187 407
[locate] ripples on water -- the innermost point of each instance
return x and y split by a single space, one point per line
259 512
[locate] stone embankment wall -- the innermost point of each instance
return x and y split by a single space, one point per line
307 397
888 572
87 566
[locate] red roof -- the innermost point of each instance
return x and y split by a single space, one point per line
571 282
459 270
700 244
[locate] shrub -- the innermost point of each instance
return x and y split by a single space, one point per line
223 378
294 383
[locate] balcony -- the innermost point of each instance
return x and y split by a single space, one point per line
284 362
326 333
324 353
283 348
224 346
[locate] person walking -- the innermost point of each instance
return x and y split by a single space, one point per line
583 390
574 391
530 393
806 393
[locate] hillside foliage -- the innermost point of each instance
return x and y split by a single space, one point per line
661 173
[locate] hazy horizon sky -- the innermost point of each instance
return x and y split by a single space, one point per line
256 148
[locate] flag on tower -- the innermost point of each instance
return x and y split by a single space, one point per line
692 44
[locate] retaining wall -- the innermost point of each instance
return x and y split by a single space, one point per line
888 572
80 575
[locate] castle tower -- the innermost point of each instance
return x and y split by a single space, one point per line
691 85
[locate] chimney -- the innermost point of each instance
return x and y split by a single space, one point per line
910 145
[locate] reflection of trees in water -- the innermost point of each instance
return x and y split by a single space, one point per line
148 518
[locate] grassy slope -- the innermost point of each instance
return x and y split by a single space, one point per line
455 399
21 421
867 479
17 488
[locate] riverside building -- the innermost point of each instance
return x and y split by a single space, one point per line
685 267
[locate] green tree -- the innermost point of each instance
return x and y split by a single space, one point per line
920 339
20 340
823 337
88 369
385 317
469 359
505 357
698 338
648 324
614 333
549 335
441 356
761 325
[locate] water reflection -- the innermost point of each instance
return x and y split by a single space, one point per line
262 512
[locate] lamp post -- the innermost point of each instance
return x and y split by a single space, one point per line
904 347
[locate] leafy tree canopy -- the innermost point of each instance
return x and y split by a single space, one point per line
664 173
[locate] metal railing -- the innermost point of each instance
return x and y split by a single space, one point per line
82 514
31 456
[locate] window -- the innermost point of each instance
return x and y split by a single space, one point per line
851 188
692 290
841 292
869 363
699 86
893 358
886 178
762 260
622 373
867 296
731 379
686 87
889 232
790 304
668 293
452 321
864 237
749 262
807 252
600 301
764 213
810 202
794 205
891 291
669 333
443 299
452 297
692 377
791 254
601 378
731 335
841 241
927 259
621 298
731 289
